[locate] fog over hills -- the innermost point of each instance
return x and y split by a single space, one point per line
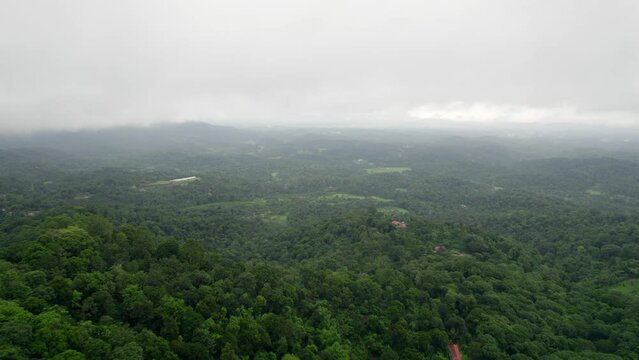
203 137
319 180
411 64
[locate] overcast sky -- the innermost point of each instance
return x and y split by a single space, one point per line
78 64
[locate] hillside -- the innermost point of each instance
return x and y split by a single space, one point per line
289 252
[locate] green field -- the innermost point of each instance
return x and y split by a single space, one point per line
277 219
628 287
346 196
387 170
391 210
160 183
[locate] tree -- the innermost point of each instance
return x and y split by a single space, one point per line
130 351
69 355
228 353
136 307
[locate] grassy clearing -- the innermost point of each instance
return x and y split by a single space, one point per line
346 196
628 287
160 183
594 192
275 219
391 210
230 204
341 196
387 170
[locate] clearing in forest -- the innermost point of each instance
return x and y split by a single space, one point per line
346 196
628 287
277 219
230 204
391 210
387 170
594 192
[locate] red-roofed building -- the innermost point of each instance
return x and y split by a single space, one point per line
439 248
453 352
398 224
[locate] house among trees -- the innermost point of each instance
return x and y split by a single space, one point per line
398 224
439 248
453 352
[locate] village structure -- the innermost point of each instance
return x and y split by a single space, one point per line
398 224
190 178
453 352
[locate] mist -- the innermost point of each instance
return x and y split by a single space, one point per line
413 64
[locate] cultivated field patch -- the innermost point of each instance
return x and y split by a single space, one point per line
387 170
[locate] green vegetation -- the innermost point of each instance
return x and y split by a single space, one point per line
262 202
343 196
275 218
627 287
392 210
174 181
160 183
306 264
230 204
387 170
594 192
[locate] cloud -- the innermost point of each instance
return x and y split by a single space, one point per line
82 63
495 114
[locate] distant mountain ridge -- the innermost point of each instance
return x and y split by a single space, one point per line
194 136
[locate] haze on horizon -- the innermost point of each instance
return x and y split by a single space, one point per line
89 64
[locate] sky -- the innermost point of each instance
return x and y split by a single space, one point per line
92 64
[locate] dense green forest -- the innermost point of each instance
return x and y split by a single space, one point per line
279 244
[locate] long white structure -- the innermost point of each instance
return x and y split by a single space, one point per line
184 179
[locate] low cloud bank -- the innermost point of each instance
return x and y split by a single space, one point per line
497 114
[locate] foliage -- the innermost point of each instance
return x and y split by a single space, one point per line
306 264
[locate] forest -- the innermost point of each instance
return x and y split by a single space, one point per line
193 241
